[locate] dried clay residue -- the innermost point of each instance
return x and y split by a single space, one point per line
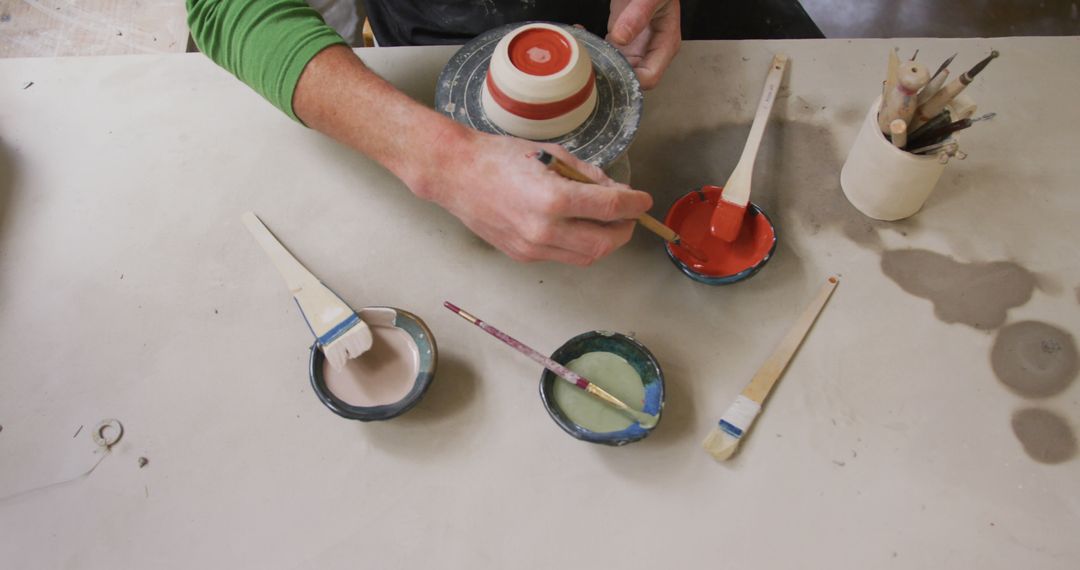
1034 359
1046 437
975 294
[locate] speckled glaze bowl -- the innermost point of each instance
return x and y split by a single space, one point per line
428 358
636 354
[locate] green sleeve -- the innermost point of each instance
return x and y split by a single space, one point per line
264 43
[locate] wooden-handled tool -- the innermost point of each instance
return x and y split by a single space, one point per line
936 104
898 132
936 81
736 421
650 223
900 101
730 210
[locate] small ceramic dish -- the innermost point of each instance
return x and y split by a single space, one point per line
635 354
417 364
728 262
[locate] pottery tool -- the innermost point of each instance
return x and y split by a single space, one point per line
604 136
736 421
936 81
931 88
338 330
898 133
650 223
934 147
900 101
730 211
942 118
944 67
942 132
646 420
962 107
891 75
937 103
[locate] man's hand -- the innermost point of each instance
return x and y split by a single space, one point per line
493 184
648 33
497 187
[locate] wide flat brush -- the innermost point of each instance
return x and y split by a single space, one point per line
650 223
338 330
727 218
646 420
724 439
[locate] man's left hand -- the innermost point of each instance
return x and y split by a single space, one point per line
648 33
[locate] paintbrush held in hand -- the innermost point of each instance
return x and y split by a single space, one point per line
650 223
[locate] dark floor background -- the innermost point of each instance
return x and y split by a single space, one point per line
716 19
713 19
940 18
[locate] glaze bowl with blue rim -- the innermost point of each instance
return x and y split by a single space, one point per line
729 262
635 354
427 356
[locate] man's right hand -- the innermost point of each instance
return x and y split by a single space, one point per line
497 187
493 184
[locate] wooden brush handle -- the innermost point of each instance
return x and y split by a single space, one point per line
766 376
939 100
650 223
567 171
737 187
295 274
900 101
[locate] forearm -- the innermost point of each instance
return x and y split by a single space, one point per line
339 96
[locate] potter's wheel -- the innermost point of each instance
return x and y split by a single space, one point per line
601 139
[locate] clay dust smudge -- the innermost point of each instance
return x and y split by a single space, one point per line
975 294
1034 359
1046 437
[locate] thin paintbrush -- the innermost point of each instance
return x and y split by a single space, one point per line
942 118
937 80
944 66
338 330
652 224
736 421
936 147
937 103
646 420
942 132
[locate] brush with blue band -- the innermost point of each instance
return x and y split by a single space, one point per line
338 330
736 421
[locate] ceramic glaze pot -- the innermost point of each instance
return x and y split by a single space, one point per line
728 262
636 355
540 84
420 372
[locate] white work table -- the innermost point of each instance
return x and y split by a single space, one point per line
129 289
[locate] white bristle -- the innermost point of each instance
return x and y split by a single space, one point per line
353 343
720 444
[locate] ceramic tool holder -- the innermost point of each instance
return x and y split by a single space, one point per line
882 181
